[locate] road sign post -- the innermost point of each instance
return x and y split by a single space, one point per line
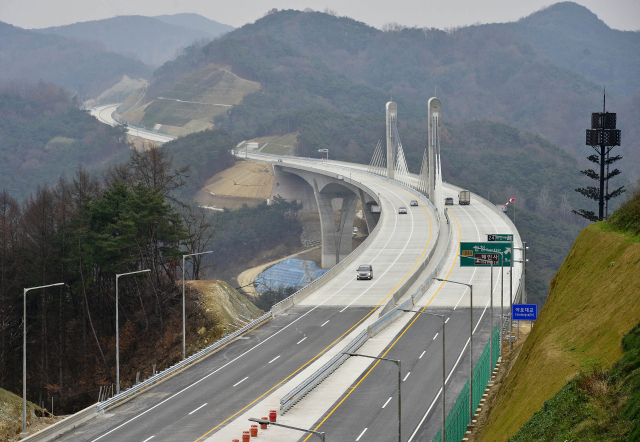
525 312
493 237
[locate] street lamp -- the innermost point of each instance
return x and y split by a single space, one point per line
399 364
184 327
118 275
470 344
266 422
24 354
326 151
444 373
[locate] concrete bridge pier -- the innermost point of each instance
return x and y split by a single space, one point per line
336 233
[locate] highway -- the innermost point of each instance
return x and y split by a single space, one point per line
104 114
365 412
212 400
216 390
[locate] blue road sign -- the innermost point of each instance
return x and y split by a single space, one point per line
524 312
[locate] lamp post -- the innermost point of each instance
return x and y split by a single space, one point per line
24 354
266 422
470 343
444 373
399 364
118 275
184 321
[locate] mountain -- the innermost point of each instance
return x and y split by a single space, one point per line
572 36
198 22
479 72
152 40
84 67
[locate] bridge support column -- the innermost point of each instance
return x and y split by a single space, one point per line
365 202
435 109
392 114
336 239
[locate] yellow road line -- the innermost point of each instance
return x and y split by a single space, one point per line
394 342
330 345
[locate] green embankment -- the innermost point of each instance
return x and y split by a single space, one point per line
592 304
11 413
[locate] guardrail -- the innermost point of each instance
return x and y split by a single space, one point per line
295 395
170 370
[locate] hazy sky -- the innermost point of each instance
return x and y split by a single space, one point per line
618 14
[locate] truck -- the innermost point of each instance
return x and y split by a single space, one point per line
464 198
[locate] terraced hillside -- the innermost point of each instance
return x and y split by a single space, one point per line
190 104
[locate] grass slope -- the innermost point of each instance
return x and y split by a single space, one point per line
596 406
592 304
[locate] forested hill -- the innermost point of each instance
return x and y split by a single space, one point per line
153 40
84 67
500 72
43 135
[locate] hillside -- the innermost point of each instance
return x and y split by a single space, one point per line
572 36
591 306
192 103
153 40
84 67
480 72
45 135
197 22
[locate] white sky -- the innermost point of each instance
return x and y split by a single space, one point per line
618 14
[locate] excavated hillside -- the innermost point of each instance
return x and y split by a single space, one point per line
191 104
592 304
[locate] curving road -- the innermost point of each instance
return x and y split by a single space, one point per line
213 399
104 114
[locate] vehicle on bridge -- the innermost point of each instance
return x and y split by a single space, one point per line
448 201
402 210
365 271
464 198
413 203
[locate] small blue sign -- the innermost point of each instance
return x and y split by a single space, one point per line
524 312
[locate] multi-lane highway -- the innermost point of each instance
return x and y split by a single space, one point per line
206 398
212 400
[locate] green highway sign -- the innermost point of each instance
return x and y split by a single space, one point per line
480 254
499 237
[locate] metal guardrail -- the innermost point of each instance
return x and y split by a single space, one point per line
295 395
170 370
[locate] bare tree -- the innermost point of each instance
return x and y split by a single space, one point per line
544 201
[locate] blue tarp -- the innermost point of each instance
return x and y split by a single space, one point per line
295 273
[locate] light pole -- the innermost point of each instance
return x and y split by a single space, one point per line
266 422
444 373
118 275
24 354
184 327
470 342
399 364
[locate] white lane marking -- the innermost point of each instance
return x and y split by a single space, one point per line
405 378
344 309
274 359
276 333
448 377
325 323
422 354
447 320
358 438
238 383
197 409
434 338
148 439
301 340
385 404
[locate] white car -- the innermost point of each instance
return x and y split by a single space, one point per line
402 210
365 271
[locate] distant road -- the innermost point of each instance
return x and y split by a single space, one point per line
105 115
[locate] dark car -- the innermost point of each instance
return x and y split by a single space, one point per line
448 201
365 271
